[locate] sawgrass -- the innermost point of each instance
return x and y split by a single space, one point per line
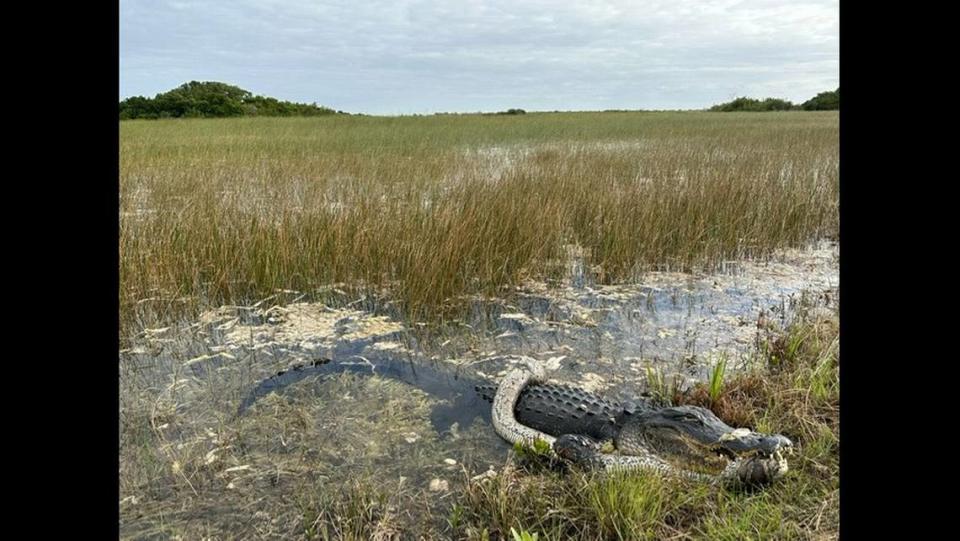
423 210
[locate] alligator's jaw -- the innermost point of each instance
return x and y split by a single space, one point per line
694 438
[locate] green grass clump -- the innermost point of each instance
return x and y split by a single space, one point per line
716 379
523 535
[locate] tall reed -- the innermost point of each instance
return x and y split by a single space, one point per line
432 208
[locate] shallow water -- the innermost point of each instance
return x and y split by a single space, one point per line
674 322
422 427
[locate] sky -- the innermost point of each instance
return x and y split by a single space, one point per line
424 56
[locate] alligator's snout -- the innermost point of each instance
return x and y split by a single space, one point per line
695 432
743 441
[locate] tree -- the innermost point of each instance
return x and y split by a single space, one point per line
138 107
750 104
212 99
824 101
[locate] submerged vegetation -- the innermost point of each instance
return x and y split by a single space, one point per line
428 209
287 472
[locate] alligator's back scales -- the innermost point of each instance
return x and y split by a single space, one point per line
560 409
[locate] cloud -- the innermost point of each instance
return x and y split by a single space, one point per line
407 56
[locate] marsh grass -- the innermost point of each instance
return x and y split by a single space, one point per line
426 209
800 400
360 512
411 214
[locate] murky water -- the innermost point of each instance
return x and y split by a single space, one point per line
674 322
422 425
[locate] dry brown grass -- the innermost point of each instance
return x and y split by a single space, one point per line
217 211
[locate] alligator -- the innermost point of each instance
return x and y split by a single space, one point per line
688 441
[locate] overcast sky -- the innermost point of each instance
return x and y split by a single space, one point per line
423 56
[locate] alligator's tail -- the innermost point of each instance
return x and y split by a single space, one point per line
486 391
281 380
462 396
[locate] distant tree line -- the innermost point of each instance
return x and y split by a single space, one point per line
824 101
211 99
481 113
